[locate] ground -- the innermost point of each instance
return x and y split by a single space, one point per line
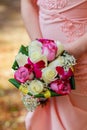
12 35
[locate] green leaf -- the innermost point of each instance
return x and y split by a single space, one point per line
53 94
23 50
39 96
15 65
15 82
42 95
72 82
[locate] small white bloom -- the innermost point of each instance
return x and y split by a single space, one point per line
30 102
69 61
21 59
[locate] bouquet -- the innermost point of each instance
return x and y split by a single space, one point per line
43 70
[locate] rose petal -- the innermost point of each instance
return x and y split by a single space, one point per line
40 64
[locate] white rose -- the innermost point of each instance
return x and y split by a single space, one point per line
58 62
48 74
60 48
35 56
33 49
21 59
35 53
35 87
35 45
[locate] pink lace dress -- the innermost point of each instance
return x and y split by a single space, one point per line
66 21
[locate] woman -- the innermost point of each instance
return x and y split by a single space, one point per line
66 21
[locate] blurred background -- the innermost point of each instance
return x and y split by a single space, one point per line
12 35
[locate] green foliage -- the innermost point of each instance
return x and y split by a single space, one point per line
72 82
14 82
23 50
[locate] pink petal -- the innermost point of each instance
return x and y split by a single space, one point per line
45 40
40 64
60 70
30 62
38 73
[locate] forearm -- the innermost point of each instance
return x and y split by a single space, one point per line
30 16
78 47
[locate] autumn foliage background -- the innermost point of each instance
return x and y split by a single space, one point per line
12 35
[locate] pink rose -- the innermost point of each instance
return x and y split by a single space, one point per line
22 75
61 87
49 48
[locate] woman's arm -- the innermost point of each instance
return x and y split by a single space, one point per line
78 47
29 11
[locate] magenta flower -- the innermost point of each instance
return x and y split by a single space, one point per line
49 48
64 74
35 67
61 87
43 41
22 74
40 64
29 65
